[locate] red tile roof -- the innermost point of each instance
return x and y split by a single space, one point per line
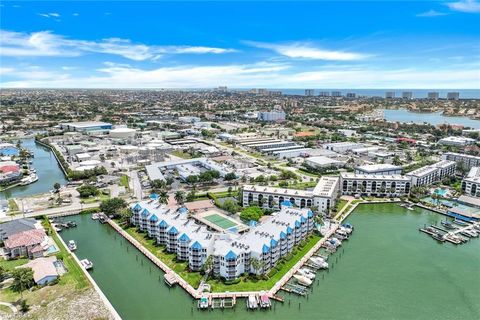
25 238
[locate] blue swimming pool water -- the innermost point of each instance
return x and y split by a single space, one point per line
441 192
52 249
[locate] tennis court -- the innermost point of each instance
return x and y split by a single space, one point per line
220 221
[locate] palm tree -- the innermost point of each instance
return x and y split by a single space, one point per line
180 197
163 197
256 264
208 266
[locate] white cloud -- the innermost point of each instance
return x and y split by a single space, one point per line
469 6
50 15
46 43
299 50
431 13
247 76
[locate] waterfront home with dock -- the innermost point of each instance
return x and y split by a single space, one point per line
232 252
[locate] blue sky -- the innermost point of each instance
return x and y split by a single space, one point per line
379 44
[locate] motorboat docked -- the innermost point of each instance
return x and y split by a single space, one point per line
437 236
322 264
341 236
306 273
87 264
460 222
264 300
203 302
447 224
72 245
347 231
303 280
95 216
347 226
334 241
252 302
469 233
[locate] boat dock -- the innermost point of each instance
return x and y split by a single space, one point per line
457 236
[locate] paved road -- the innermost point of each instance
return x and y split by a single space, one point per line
72 208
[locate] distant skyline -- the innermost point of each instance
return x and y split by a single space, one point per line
356 45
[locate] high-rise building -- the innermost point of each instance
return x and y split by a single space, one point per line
336 94
324 94
433 95
390 95
351 95
407 95
309 92
453 96
271 116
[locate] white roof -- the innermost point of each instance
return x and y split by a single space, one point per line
378 167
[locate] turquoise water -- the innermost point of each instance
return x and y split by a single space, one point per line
403 115
48 172
387 270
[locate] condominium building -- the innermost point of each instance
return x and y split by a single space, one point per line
324 94
390 95
336 94
471 183
457 141
379 169
407 95
467 160
323 196
351 95
374 185
271 116
232 253
453 95
309 92
433 95
432 173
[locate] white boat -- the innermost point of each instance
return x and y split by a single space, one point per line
306 273
264 300
347 231
72 245
95 216
87 264
203 302
335 242
302 280
471 233
322 264
252 302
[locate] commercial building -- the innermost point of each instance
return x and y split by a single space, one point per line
379 169
336 94
374 185
309 92
467 160
453 95
324 94
184 167
232 253
342 147
122 133
85 126
457 141
471 183
433 95
271 116
351 95
324 162
323 196
432 173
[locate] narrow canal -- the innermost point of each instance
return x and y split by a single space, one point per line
388 269
48 171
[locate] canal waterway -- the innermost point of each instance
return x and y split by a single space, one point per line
48 171
433 118
387 270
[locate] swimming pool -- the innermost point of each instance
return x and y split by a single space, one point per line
441 192
52 249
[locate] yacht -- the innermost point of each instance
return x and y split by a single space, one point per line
72 245
87 264
304 281
264 300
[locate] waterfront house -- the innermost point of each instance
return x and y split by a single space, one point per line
19 225
45 270
30 243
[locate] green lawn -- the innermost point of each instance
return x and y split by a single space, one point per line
340 204
181 154
10 265
302 185
99 198
124 181
75 275
181 268
12 205
304 172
